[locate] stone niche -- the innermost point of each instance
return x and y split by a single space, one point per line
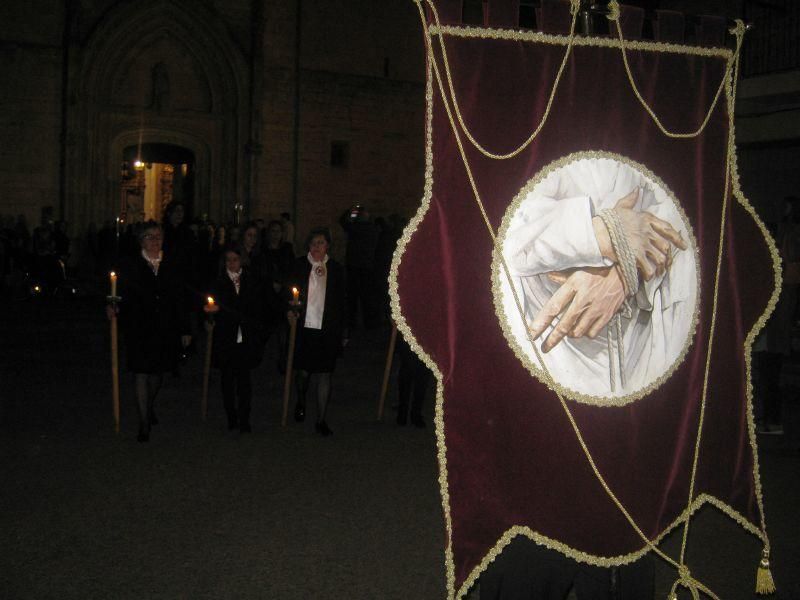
157 73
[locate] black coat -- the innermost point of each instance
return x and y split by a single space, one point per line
248 310
152 314
327 344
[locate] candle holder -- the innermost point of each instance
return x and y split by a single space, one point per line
113 301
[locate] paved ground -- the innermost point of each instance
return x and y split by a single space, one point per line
282 513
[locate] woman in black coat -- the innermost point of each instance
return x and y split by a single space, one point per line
153 318
320 322
240 333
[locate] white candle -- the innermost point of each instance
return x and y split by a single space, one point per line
113 277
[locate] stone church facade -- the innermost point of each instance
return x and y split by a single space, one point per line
304 106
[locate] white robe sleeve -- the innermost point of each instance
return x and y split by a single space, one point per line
552 235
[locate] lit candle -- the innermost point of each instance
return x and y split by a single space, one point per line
113 277
295 294
211 301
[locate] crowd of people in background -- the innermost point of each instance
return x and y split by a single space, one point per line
39 256
262 285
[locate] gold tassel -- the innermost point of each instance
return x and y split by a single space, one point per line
765 584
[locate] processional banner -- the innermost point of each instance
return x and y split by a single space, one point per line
585 279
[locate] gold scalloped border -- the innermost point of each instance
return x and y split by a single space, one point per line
602 561
408 334
498 277
761 322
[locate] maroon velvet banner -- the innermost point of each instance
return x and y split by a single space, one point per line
510 455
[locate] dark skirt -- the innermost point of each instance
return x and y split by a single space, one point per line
153 354
316 351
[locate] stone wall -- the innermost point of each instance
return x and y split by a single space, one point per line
360 73
30 107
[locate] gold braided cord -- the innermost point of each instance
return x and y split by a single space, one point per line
571 40
685 576
574 6
485 33
643 102
712 327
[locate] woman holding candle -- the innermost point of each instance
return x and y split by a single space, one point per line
319 320
154 320
240 332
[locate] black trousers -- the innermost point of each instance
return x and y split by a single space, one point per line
526 571
236 385
361 290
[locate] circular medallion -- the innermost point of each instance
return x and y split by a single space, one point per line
601 297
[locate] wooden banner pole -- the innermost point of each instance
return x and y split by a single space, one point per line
287 384
207 367
115 371
387 371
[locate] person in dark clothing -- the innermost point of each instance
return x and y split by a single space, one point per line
252 256
153 319
240 333
362 239
279 259
413 379
320 323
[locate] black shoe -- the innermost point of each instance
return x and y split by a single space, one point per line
418 421
245 428
402 419
152 418
299 413
323 429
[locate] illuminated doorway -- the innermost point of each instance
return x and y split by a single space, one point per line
153 175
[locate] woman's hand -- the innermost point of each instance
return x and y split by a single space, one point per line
185 341
210 309
291 316
111 311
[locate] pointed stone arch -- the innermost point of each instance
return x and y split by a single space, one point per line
158 71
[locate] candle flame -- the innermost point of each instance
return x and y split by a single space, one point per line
113 275
211 301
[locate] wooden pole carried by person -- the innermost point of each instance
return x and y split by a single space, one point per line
113 301
210 309
287 384
387 371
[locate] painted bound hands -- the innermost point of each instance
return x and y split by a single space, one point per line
651 239
589 297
